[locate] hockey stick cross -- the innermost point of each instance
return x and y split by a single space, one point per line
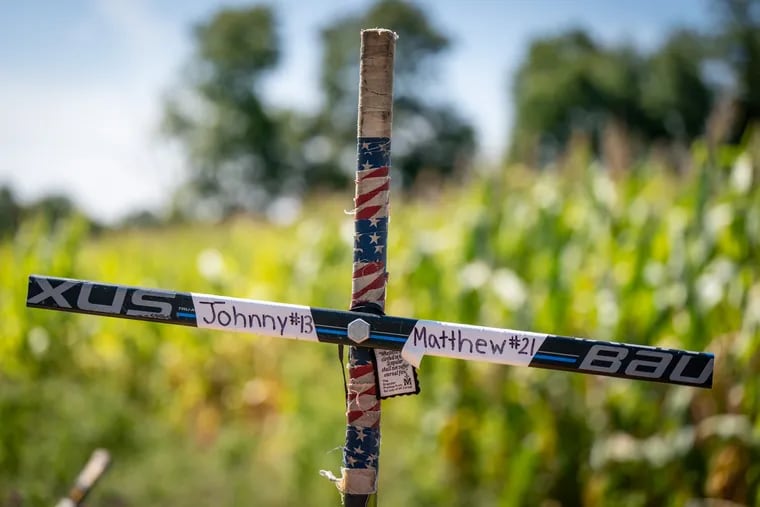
415 338
381 337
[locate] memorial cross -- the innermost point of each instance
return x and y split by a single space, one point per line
373 337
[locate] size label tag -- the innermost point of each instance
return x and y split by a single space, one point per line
395 377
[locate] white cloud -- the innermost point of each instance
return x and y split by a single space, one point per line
93 143
94 137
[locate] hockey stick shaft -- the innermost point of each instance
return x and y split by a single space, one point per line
361 450
414 337
94 469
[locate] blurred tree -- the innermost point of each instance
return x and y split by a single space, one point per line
240 152
54 208
10 211
739 47
557 90
570 83
675 98
141 219
426 136
51 209
231 140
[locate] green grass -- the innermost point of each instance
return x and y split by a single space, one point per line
208 418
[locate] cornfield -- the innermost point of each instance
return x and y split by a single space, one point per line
202 418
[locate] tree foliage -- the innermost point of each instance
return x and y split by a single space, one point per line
674 95
241 152
738 45
231 139
50 209
10 211
570 82
427 136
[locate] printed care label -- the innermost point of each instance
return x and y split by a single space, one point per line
395 377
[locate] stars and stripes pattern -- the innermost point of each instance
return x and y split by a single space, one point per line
363 430
368 286
371 221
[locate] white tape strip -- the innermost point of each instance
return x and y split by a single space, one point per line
503 346
258 317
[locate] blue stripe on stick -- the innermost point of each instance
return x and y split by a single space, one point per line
558 359
328 330
377 336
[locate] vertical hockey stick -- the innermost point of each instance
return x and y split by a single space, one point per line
362 448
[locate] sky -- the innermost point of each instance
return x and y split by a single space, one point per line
82 82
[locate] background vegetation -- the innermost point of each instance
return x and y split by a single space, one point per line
629 210
195 417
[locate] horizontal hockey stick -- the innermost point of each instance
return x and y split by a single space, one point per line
414 337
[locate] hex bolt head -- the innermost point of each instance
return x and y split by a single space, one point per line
358 330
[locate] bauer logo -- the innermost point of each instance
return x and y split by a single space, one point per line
103 299
651 364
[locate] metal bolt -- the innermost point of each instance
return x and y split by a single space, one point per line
358 330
